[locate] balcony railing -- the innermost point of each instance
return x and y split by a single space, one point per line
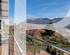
44 45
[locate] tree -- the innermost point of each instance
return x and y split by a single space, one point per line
47 32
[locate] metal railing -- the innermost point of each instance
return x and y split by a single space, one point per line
44 45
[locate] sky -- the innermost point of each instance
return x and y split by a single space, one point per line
11 11
17 11
20 11
47 8
11 8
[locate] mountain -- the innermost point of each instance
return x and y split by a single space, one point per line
56 20
39 21
64 22
43 20
68 26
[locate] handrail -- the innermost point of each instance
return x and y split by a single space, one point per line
50 44
19 47
61 49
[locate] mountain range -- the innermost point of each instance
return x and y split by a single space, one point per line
68 26
43 20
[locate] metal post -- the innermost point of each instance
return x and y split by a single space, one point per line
11 40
